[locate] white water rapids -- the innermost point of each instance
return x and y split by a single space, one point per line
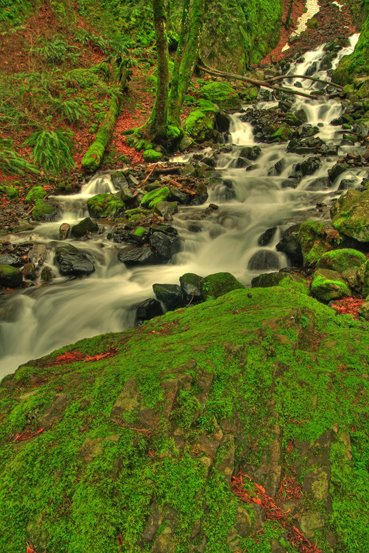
41 319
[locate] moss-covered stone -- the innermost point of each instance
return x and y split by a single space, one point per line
43 211
328 285
10 277
34 194
152 156
350 215
363 277
341 260
222 94
356 64
136 435
105 205
199 125
218 284
152 198
315 239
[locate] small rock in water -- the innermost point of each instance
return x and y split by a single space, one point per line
84 227
263 260
148 309
191 286
267 236
171 295
74 262
64 231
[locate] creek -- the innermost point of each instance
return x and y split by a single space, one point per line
40 319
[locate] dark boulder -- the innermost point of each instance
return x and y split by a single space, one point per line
11 277
337 170
84 228
139 255
10 259
170 295
191 286
148 309
290 245
251 152
165 245
308 167
222 122
267 236
74 262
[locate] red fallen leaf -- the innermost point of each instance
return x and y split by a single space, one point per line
30 549
70 356
99 356
28 434
256 500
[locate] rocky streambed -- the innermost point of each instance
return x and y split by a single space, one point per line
238 210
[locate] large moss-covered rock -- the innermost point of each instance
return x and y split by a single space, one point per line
105 205
43 211
341 260
154 197
328 285
350 215
11 277
35 193
133 438
222 94
199 125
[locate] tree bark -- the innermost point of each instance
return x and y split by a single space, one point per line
158 123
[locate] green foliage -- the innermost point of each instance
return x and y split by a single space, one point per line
105 205
222 94
56 51
52 150
152 198
72 110
12 163
12 12
152 156
35 193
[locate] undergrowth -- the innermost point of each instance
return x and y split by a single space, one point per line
52 150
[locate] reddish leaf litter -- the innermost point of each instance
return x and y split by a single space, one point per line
331 22
256 494
289 489
28 435
30 549
348 306
72 356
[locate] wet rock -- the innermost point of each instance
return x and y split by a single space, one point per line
267 236
346 184
64 231
241 163
278 168
316 238
167 209
319 184
251 152
222 122
139 255
179 196
308 166
121 183
44 211
263 260
191 286
10 277
29 271
290 245
266 280
341 260
84 228
291 182
171 295
337 170
311 145
164 245
46 274
105 205
73 261
147 310
10 259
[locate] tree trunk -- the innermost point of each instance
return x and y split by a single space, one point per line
158 123
186 56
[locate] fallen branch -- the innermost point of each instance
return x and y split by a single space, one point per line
255 82
315 79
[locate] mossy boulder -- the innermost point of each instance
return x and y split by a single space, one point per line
43 211
154 197
222 94
363 277
350 215
133 437
315 239
199 125
218 284
10 277
328 285
34 194
356 64
152 156
341 260
105 205
84 227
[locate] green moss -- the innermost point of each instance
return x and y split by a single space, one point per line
10 276
222 94
152 156
218 284
316 238
341 260
10 192
356 64
199 125
351 215
282 134
152 198
105 205
35 193
43 211
138 448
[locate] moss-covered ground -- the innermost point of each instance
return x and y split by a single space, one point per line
134 451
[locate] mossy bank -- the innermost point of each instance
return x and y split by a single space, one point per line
127 442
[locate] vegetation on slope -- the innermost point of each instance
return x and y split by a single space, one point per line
128 442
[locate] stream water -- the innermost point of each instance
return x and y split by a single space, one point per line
41 319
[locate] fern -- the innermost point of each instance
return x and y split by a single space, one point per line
72 110
56 51
11 163
52 150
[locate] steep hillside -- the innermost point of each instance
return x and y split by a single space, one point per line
129 442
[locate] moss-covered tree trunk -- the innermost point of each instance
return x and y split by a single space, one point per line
192 14
158 123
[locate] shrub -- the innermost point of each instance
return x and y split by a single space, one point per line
52 150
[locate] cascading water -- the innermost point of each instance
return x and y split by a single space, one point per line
250 202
